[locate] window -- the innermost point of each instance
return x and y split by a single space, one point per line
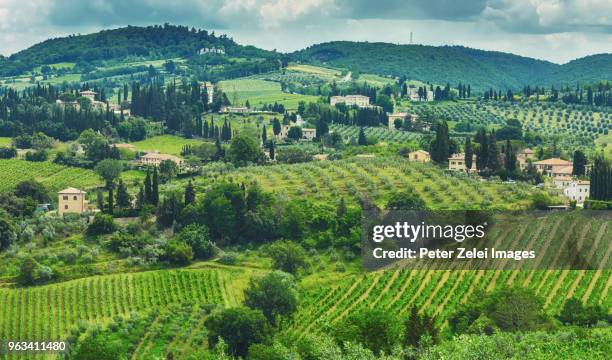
74 197
65 197
66 207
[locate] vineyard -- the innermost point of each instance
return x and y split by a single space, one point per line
474 113
50 312
378 177
54 177
378 133
438 292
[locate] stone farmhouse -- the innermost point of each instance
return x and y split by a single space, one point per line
456 162
351 100
524 156
419 156
72 200
400 116
554 167
307 133
578 191
155 158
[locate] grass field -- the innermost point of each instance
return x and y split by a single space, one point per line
166 144
260 92
54 177
5 141
316 70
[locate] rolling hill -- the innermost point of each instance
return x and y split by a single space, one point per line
482 69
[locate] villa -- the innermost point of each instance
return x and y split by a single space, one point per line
351 100
72 200
554 167
456 162
578 191
154 159
419 156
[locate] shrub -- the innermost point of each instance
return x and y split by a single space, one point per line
101 224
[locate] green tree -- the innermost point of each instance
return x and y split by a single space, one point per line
275 294
169 210
155 188
101 224
190 194
276 126
123 198
417 326
148 190
109 170
244 150
294 133
579 163
167 170
376 329
178 252
406 200
493 158
100 346
469 153
264 135
8 232
510 158
32 189
440 146
198 237
361 140
287 256
239 327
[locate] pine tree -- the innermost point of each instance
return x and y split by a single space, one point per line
362 138
124 199
155 188
190 194
469 153
147 188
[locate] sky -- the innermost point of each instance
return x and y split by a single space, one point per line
553 30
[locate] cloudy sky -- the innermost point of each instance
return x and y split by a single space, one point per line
554 30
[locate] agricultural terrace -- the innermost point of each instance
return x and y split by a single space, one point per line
454 111
166 144
378 177
438 292
54 177
260 92
5 141
50 311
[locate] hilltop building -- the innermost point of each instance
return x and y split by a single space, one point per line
155 158
211 50
351 100
554 167
307 133
419 156
577 191
91 96
72 200
235 109
524 156
456 162
400 116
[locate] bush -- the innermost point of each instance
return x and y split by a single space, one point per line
101 224
179 252
287 256
197 236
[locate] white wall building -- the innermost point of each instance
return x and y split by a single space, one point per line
577 191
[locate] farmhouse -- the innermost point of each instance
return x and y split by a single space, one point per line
553 167
457 163
212 50
154 159
309 134
234 109
91 96
419 156
351 100
561 182
577 191
402 116
72 200
524 156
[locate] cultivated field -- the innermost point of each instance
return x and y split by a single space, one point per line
260 92
54 177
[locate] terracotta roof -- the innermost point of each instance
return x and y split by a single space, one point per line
457 156
563 178
420 152
72 190
564 170
527 151
161 156
553 161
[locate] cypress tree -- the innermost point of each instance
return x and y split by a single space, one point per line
147 188
263 134
140 198
123 197
362 138
493 157
155 188
272 150
205 130
601 179
100 200
469 153
276 126
579 163
510 159
190 194
440 146
483 152
110 201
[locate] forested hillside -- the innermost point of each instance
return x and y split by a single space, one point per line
482 69
167 41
